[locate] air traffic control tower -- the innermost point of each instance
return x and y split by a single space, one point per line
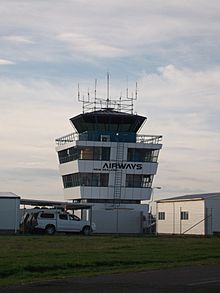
106 163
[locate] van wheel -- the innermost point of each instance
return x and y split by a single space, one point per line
86 231
50 229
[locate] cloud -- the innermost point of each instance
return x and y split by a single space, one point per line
183 105
34 114
17 39
194 93
32 182
90 46
6 62
28 174
157 30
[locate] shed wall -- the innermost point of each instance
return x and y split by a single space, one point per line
117 221
172 224
9 214
212 206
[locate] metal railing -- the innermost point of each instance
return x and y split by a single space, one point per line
154 139
67 138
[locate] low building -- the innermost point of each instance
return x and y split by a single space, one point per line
196 214
9 212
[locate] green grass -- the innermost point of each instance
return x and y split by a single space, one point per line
32 258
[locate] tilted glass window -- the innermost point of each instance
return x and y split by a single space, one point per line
84 153
67 155
71 180
142 155
95 153
138 181
105 154
85 179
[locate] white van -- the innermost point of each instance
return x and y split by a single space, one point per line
51 221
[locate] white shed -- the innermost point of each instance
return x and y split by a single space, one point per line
9 212
197 214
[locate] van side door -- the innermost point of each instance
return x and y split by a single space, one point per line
75 223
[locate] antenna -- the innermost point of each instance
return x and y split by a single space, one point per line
127 90
81 99
108 89
124 103
136 91
88 95
119 104
78 93
132 102
95 95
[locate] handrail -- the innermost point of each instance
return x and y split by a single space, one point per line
71 137
143 138
140 138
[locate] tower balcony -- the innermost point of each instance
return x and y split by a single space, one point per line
109 137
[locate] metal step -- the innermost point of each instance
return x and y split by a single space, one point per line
118 173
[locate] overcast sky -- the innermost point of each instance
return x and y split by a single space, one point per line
171 48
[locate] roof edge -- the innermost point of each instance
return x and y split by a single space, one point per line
199 196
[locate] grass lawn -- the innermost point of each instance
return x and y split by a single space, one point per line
39 257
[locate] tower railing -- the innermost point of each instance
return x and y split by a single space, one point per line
71 137
140 138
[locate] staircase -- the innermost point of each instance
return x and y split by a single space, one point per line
118 174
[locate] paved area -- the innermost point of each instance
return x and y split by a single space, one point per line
202 279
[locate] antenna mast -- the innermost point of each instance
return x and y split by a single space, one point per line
95 100
108 101
124 103
136 90
81 100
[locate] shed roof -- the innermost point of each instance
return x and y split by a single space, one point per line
7 194
67 205
199 196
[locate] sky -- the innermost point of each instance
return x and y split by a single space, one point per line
171 48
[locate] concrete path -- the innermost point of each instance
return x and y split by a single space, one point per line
201 279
